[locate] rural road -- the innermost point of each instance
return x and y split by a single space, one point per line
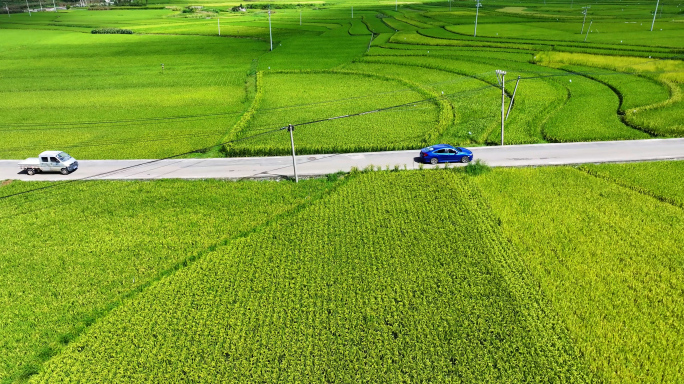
271 167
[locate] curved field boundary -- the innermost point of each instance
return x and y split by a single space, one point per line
622 116
359 28
552 111
446 116
667 78
650 50
399 16
385 60
376 25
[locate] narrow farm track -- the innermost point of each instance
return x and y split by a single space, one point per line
317 165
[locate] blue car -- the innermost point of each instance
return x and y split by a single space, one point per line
444 153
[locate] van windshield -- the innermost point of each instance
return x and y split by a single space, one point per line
63 156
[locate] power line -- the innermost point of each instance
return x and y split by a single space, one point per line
71 125
68 182
136 165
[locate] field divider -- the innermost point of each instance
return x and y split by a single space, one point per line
446 109
630 186
379 59
554 339
622 115
248 115
92 318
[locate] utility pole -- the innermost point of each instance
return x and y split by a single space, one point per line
219 26
512 98
502 74
352 11
270 35
8 14
41 5
585 10
396 5
588 29
54 5
290 128
371 41
654 15
29 8
477 9
300 17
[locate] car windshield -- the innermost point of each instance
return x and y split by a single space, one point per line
63 156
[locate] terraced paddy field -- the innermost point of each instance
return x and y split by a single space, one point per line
564 274
106 96
435 275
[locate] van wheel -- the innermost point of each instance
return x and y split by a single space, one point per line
64 171
31 171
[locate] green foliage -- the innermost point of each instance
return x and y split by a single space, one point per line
476 168
358 286
111 31
661 180
120 105
200 97
607 257
325 94
67 263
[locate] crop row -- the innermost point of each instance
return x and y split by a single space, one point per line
608 259
68 262
359 286
400 129
660 180
89 100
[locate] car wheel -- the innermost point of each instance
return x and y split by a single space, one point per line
31 171
434 161
64 171
465 159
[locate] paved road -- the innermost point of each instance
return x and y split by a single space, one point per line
270 167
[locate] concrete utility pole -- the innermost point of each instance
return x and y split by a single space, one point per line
219 26
654 15
477 9
294 160
512 98
585 10
503 99
300 17
352 11
270 35
29 8
8 14
588 29
54 5
41 5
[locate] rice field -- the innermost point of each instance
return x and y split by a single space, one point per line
388 276
94 95
564 274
